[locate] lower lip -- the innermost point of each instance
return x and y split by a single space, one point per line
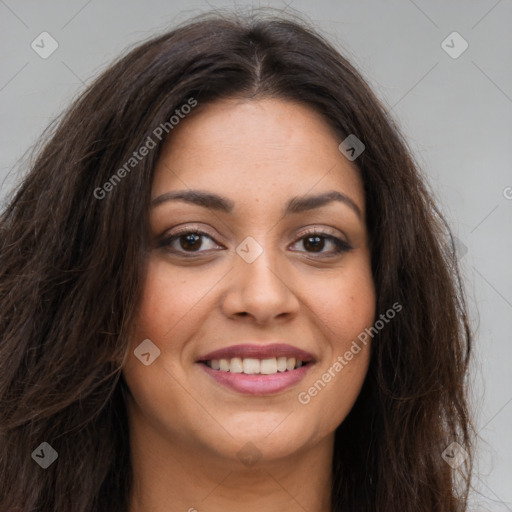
258 384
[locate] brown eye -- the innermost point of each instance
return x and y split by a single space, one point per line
314 243
322 243
190 242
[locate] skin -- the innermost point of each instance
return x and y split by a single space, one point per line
185 428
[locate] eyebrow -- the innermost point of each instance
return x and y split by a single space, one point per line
297 204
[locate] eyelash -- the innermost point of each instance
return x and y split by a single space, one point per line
341 246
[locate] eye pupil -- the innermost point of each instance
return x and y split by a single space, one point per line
317 243
190 241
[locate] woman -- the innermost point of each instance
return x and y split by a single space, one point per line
224 285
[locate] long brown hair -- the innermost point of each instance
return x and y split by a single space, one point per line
72 269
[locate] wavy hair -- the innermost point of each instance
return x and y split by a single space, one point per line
72 269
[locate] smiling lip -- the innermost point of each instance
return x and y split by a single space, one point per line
258 384
258 352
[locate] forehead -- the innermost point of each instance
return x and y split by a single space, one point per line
246 147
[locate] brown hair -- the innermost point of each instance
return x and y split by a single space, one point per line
72 268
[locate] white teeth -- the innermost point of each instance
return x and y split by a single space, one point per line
236 365
268 366
290 363
252 366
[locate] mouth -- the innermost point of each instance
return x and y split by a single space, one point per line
257 369
252 366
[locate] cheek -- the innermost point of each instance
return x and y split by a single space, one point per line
170 299
344 303
343 306
168 316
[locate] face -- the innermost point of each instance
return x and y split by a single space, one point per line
267 262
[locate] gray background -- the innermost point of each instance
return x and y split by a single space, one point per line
456 113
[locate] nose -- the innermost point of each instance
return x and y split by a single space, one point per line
260 290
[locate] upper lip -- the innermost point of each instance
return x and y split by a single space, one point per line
259 352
